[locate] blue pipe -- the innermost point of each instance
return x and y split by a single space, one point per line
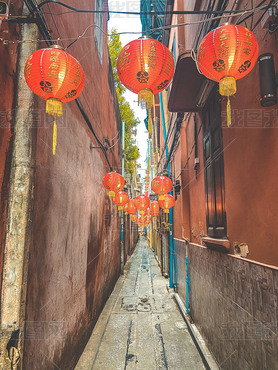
122 213
187 285
171 283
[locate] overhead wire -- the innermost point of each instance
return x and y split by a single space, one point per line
74 39
133 13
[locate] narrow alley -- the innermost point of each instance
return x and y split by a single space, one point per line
141 326
138 185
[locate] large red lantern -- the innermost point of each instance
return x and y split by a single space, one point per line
154 208
142 203
113 182
145 67
120 199
57 77
161 185
227 54
131 208
167 203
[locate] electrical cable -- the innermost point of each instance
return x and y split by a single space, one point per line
250 15
50 40
133 13
260 18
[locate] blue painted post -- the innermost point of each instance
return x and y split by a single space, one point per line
171 269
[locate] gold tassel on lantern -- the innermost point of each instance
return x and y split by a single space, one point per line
227 87
54 107
54 136
145 98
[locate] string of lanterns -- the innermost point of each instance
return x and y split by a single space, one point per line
114 183
145 67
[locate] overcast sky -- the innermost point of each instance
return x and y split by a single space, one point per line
131 23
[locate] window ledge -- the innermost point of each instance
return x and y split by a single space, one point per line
219 244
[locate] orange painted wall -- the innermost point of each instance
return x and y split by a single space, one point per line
251 169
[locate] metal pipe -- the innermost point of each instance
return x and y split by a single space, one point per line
122 213
171 267
187 275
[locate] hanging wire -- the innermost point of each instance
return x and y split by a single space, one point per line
82 36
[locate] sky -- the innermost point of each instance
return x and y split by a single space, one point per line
131 23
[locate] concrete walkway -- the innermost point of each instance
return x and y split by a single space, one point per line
140 327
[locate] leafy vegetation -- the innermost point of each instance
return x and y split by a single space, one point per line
131 151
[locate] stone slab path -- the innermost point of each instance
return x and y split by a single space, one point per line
140 326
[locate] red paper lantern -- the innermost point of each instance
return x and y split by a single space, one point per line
142 203
147 220
161 185
145 67
148 212
227 54
57 77
120 199
126 209
154 208
113 182
134 218
131 208
167 203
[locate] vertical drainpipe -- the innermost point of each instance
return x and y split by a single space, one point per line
187 278
171 283
14 280
122 212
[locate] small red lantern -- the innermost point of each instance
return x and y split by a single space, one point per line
167 203
227 54
120 199
57 77
113 182
147 220
161 185
126 209
145 67
131 208
142 203
133 218
154 209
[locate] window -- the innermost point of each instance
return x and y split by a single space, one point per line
99 28
214 168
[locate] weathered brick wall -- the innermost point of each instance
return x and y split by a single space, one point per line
233 302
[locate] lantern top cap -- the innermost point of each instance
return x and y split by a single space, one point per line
56 47
144 37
